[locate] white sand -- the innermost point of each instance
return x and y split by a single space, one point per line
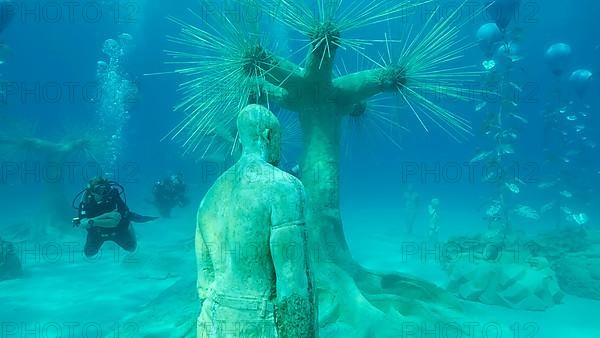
106 292
382 249
65 289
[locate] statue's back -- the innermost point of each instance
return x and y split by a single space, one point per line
234 220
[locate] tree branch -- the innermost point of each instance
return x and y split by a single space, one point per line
276 95
283 73
360 86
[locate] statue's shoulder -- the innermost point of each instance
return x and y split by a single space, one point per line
287 182
214 193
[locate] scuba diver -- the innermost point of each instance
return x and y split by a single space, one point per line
105 216
169 193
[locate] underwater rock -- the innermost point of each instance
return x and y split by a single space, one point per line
10 265
575 256
579 274
530 284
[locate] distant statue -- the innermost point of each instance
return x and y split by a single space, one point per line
434 219
253 273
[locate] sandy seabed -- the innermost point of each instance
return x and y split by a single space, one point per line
63 294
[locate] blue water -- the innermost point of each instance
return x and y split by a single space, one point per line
45 49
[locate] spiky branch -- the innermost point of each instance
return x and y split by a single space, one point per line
236 67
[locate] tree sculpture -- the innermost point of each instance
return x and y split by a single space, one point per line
230 65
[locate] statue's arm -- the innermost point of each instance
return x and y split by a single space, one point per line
294 308
204 263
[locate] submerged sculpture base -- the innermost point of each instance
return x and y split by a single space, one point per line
575 256
502 269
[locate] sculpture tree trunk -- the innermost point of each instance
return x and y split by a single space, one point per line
321 181
352 300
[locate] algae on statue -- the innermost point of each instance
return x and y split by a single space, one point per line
255 206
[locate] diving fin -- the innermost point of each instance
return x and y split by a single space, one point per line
137 218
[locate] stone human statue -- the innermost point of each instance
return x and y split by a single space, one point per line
253 273
434 219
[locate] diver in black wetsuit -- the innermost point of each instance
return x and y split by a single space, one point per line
169 193
106 217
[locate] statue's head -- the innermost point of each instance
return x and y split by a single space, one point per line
260 133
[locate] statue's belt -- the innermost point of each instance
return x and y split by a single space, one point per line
243 303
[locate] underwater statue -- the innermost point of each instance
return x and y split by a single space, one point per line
434 220
354 301
253 274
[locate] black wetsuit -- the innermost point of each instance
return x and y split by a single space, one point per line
168 195
123 234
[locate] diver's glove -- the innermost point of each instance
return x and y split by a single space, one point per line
294 317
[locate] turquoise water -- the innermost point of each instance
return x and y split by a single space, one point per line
91 89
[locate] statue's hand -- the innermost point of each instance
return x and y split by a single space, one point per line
294 317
